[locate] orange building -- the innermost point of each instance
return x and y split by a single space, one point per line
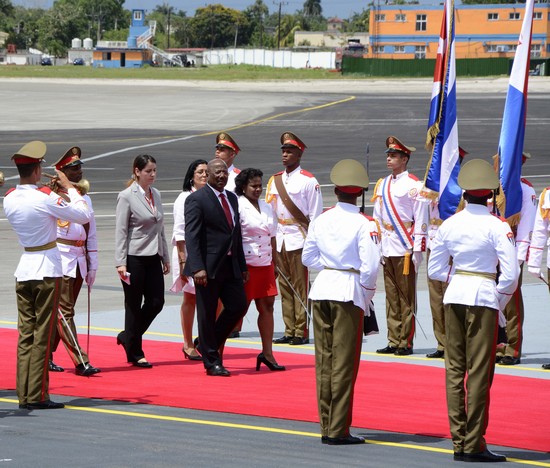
482 31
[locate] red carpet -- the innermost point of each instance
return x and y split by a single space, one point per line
388 396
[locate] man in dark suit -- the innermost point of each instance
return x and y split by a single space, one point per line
215 260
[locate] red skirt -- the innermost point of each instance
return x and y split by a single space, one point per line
261 283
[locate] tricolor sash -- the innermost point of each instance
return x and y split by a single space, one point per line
397 223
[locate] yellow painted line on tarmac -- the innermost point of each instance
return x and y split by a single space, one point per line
248 427
248 124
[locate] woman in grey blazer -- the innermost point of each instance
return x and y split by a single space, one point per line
141 255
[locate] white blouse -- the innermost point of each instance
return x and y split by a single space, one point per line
257 230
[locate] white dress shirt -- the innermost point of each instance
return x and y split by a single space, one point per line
541 230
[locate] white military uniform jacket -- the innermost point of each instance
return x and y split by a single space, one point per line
477 241
337 242
72 255
303 189
541 230
411 209
33 214
524 230
257 228
434 221
233 172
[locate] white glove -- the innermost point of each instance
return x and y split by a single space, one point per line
534 271
90 278
417 260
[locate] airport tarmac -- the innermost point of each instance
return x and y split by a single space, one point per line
114 121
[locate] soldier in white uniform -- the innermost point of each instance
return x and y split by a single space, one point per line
514 312
477 242
339 244
539 240
77 244
296 200
436 288
33 214
227 150
403 219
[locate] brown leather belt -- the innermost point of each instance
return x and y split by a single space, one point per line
74 243
38 248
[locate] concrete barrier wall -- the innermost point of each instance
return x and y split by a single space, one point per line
270 58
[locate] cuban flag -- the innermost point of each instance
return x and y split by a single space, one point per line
442 138
512 133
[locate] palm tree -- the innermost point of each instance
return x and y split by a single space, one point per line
312 8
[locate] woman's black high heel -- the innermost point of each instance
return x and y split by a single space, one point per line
270 365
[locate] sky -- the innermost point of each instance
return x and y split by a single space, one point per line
340 8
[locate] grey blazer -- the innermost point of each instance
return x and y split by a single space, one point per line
138 229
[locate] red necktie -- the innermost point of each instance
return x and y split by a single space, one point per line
227 211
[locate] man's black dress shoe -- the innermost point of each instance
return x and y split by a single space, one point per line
55 368
458 456
23 406
484 457
436 354
142 363
387 350
48 404
297 341
349 440
324 440
509 361
498 359
283 339
85 370
546 366
403 351
218 370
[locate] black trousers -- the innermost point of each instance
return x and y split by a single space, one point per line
143 301
213 333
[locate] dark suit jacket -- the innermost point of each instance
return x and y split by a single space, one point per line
208 237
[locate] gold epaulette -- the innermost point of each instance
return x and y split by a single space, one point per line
545 213
268 196
374 196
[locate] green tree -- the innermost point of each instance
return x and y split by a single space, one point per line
312 8
23 29
289 25
359 22
257 15
216 26
58 26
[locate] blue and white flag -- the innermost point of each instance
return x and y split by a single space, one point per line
442 138
512 133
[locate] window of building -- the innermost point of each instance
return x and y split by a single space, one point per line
537 15
380 18
420 52
399 49
536 50
400 17
379 49
514 16
106 56
421 22
137 15
492 16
